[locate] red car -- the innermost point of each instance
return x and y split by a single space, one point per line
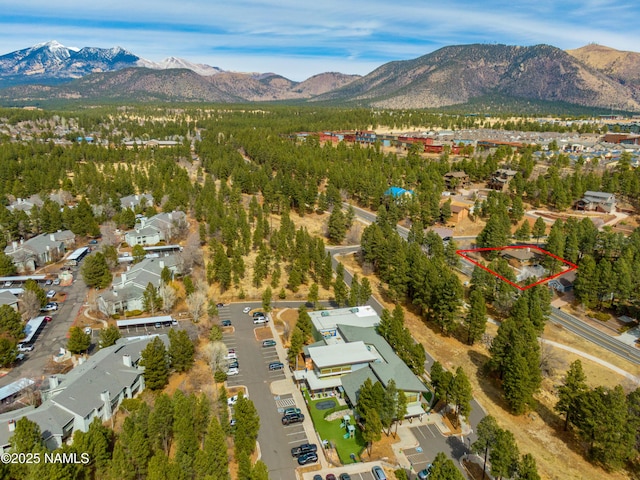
47 319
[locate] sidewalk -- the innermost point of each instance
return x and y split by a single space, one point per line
288 386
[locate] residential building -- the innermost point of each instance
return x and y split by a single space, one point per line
501 178
159 228
458 212
456 180
8 298
134 201
597 201
39 250
348 351
518 257
95 388
10 393
127 290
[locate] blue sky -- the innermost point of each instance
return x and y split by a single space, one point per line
298 38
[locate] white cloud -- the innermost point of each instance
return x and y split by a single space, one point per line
299 39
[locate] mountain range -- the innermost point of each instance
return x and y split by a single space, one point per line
591 76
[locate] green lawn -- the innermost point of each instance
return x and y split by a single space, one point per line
331 431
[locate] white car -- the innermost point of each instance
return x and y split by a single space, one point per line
25 348
246 309
232 371
51 293
260 320
231 354
232 400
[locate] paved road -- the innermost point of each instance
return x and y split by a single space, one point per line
54 334
569 322
594 335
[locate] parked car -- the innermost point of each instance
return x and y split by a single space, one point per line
424 474
225 323
231 353
257 320
56 281
246 309
308 458
378 473
344 476
330 476
158 325
48 319
93 242
49 307
317 477
233 364
304 448
232 400
287 411
48 282
220 305
7 283
292 418
269 343
276 366
258 314
25 348
51 293
20 357
232 371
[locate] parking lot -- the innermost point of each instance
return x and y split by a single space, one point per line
356 471
275 439
431 442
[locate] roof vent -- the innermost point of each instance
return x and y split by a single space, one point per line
324 314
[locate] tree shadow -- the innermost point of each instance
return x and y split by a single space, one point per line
555 422
488 382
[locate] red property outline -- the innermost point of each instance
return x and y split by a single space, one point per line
486 249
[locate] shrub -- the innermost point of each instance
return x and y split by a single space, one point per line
219 376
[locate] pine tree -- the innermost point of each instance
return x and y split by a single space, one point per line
487 432
109 336
297 342
571 391
95 271
312 298
181 350
154 358
443 468
212 459
372 428
32 286
523 233
337 226
476 318
7 267
11 323
504 455
79 341
247 426
527 468
461 393
151 301
539 229
161 423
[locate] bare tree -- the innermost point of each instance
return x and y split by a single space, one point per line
169 296
92 300
196 303
108 232
191 254
214 354
30 304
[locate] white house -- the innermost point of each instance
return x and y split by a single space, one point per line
94 388
127 291
161 227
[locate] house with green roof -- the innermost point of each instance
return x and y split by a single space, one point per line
348 351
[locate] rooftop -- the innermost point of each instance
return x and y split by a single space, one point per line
341 354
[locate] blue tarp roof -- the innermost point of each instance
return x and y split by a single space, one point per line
397 191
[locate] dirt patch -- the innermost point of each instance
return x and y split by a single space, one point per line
263 333
381 450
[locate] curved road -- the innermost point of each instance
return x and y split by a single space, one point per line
571 323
